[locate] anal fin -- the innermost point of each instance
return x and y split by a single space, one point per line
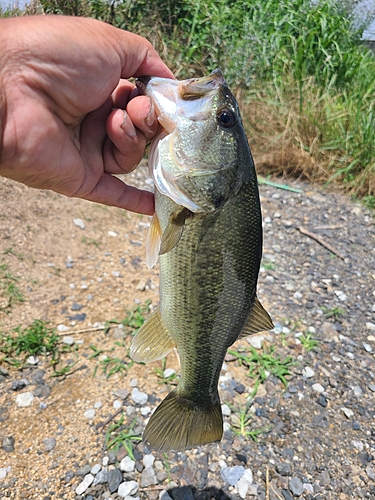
258 321
152 341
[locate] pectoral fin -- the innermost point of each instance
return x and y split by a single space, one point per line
153 341
153 242
173 233
258 321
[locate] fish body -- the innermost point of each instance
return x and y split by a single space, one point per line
207 234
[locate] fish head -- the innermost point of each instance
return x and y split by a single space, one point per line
201 156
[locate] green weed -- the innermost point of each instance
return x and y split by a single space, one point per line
171 380
112 364
241 419
264 363
134 318
90 241
308 342
120 435
10 294
333 312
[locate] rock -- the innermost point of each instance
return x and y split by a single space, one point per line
308 487
17 385
370 326
79 223
358 445
164 495
127 488
4 471
232 474
127 464
7 443
76 307
68 340
122 393
82 471
367 347
341 295
318 388
283 469
308 372
148 477
145 411
90 414
114 480
243 484
139 397
95 469
168 372
62 328
256 341
101 477
49 443
296 486
183 493
148 460
117 404
347 412
98 405
25 399
87 481
226 410
370 472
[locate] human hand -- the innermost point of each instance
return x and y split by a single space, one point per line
63 92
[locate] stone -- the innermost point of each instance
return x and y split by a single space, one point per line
145 411
318 388
32 360
7 443
122 393
117 404
347 412
101 477
83 485
90 414
308 372
114 480
168 372
148 460
95 469
17 385
244 482
62 328
226 410
148 477
127 464
49 443
367 347
79 223
127 488
232 474
25 399
4 471
164 495
370 326
139 397
82 471
358 445
296 486
68 340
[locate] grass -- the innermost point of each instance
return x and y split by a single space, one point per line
241 420
308 342
134 318
10 294
111 364
262 364
119 435
37 339
333 312
171 380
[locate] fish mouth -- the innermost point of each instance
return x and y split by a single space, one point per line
191 98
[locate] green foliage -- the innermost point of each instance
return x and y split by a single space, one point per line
241 419
112 364
171 380
120 435
10 294
333 312
263 363
308 342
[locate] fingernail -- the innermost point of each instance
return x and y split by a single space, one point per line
128 127
150 120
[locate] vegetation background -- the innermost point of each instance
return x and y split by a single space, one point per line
304 77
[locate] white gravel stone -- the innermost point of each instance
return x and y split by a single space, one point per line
298 295
112 233
105 461
25 399
371 338
79 223
148 461
4 471
95 469
133 382
308 487
168 372
370 326
318 388
127 464
350 355
98 405
357 391
226 410
226 426
358 445
127 488
62 328
308 372
87 481
32 360
336 359
145 411
68 340
164 495
244 483
256 341
347 412
367 347
341 295
90 414
139 397
117 404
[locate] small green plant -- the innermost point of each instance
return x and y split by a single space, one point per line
333 312
170 380
119 435
11 251
241 419
111 364
262 364
134 318
308 342
270 266
90 241
10 294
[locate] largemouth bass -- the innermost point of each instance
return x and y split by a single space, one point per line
207 233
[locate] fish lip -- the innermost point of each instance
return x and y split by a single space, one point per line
196 88
141 84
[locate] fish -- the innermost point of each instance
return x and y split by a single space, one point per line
206 234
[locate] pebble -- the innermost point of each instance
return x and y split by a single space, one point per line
117 404
102 476
49 443
122 393
4 471
25 399
148 460
32 360
347 412
145 411
168 372
114 480
76 307
148 477
318 388
79 223
98 405
95 469
370 326
341 295
62 328
296 486
308 487
127 488
256 341
7 443
17 385
358 445
232 474
127 464
308 372
367 347
164 495
90 414
226 411
139 397
87 481
68 340
244 482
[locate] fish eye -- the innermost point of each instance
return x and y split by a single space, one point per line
227 118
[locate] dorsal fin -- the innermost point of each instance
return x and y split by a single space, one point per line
258 321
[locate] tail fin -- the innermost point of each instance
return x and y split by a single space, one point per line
178 424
